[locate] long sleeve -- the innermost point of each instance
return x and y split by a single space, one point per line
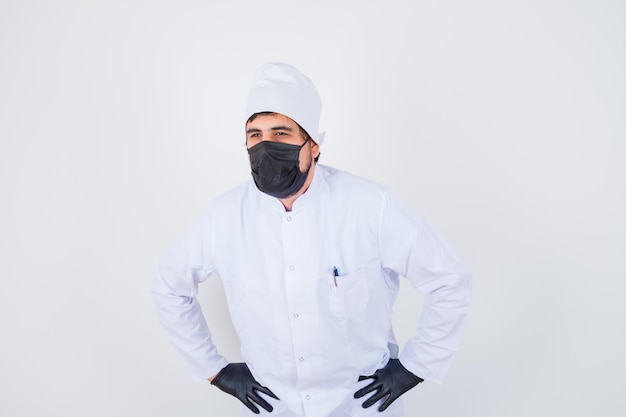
174 290
413 250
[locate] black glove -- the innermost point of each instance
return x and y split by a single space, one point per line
237 380
391 381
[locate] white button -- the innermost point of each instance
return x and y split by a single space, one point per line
308 397
301 359
295 315
292 267
288 218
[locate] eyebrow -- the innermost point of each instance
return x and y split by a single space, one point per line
287 128
282 127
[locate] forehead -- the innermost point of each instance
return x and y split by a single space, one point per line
268 120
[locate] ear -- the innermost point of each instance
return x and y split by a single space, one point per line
315 149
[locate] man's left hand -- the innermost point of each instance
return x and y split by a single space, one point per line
391 381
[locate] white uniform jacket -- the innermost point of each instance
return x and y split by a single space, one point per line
305 333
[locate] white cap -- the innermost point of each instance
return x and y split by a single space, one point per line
281 88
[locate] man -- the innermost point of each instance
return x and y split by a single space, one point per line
310 258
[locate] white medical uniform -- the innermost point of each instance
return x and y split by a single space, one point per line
306 334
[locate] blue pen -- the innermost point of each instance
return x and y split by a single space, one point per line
335 275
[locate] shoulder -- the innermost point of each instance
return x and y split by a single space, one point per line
343 182
352 194
230 200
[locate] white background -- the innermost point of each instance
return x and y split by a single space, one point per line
500 122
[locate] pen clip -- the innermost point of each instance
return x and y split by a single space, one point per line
335 275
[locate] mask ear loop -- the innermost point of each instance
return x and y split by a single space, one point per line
302 146
305 141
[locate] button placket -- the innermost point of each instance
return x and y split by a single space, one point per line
299 282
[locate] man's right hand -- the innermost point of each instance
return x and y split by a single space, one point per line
237 380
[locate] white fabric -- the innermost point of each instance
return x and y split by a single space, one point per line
302 336
281 88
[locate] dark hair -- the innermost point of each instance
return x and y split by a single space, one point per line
270 113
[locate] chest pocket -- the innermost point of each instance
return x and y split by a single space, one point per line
349 293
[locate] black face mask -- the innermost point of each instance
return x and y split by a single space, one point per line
275 168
